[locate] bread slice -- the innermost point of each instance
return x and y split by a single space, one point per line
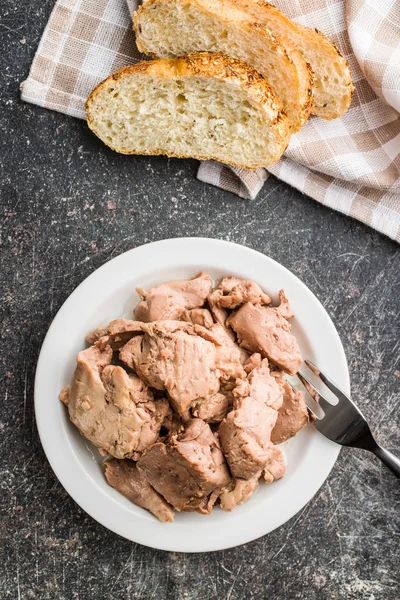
168 28
332 75
204 106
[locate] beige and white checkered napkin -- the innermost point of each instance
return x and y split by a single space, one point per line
351 164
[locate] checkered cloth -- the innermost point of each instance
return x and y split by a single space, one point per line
350 164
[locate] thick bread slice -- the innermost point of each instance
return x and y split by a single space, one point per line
169 28
204 106
332 75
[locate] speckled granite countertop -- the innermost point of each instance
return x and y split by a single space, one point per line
69 204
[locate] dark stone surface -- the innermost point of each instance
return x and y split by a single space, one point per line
69 204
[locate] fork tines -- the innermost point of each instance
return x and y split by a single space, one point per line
315 392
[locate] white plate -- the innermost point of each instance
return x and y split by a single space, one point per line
109 293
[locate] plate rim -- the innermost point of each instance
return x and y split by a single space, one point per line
38 382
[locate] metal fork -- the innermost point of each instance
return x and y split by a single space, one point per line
343 422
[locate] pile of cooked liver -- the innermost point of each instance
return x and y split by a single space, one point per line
189 400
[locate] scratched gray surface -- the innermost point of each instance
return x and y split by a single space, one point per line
69 205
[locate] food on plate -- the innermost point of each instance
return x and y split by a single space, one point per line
275 467
245 433
125 477
211 409
293 414
188 400
232 292
188 469
204 106
168 28
174 299
175 357
113 409
266 330
239 491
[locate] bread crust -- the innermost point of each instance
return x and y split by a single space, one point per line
270 16
295 70
213 65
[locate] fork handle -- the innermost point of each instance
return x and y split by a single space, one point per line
388 459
